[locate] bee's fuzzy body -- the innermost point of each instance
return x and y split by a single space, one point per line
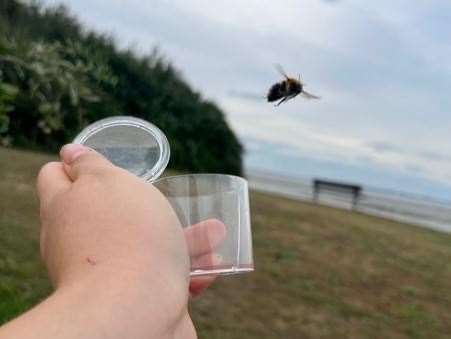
287 89
283 89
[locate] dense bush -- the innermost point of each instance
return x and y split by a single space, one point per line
55 78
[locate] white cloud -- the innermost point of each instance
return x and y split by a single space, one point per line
381 68
325 144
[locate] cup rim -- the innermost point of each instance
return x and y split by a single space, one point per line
234 177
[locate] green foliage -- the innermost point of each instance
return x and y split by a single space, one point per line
7 95
66 78
55 89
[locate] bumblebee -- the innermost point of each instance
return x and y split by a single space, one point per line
287 89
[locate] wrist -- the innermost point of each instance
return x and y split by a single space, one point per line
89 309
124 304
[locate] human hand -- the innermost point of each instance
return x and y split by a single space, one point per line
104 228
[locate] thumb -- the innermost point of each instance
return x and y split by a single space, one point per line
80 160
51 181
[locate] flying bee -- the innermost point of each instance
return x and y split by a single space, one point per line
287 89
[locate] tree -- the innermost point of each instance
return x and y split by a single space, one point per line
60 77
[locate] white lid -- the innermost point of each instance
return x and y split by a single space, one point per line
131 143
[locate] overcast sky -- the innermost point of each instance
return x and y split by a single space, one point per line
382 68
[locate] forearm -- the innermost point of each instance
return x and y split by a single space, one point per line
118 309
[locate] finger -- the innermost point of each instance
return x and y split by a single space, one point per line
204 237
80 160
51 181
208 262
201 283
198 285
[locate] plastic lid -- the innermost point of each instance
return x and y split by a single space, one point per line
131 143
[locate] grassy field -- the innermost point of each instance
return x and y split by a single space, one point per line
320 272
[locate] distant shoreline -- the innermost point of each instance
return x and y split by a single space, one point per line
400 206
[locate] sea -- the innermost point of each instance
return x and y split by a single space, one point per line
400 206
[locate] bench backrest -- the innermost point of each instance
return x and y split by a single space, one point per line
333 186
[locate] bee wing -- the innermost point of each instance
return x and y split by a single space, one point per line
280 70
300 81
309 96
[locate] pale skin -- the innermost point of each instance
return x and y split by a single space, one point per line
115 254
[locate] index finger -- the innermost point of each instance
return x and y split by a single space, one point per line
204 237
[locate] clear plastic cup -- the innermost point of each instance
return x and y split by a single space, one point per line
213 209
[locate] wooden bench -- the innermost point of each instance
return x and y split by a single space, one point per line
331 186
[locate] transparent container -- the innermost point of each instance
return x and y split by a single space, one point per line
213 209
130 143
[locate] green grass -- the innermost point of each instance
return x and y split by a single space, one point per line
320 272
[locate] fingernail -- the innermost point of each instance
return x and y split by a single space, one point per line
70 152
